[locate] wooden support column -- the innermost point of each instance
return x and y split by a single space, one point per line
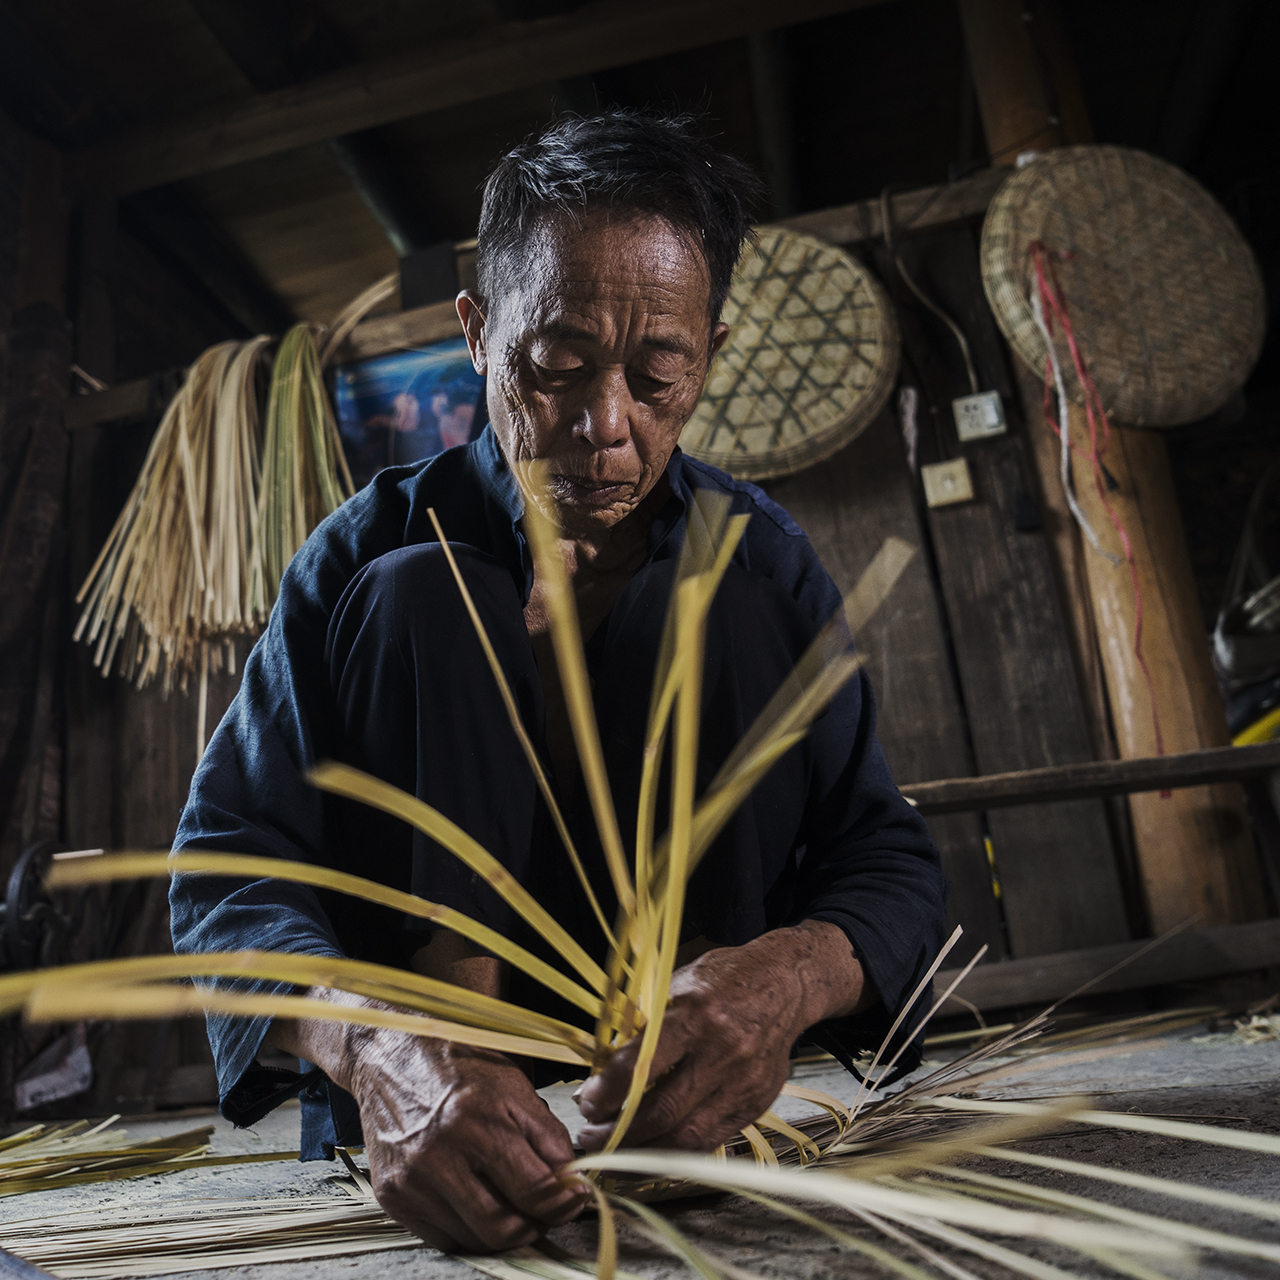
1013 95
91 700
33 450
1194 850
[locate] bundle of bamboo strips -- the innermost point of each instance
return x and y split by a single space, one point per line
304 472
223 502
898 1180
162 579
193 1236
50 1157
627 997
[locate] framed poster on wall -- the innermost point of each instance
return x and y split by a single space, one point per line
407 406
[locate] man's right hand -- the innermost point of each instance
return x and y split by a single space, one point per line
461 1149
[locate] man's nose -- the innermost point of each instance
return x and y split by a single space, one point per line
605 419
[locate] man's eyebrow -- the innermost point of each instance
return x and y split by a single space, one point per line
677 345
560 331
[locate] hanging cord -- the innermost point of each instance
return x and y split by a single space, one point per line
1053 307
1068 484
886 228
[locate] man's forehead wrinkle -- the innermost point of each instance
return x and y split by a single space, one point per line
565 326
628 285
645 246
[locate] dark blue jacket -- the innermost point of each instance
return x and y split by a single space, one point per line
866 864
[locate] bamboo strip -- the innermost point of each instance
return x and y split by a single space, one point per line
191 862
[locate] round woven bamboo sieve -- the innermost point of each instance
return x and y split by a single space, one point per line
811 358
1164 294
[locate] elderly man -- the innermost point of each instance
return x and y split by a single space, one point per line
605 254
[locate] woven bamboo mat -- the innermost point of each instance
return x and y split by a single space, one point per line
1165 296
811 358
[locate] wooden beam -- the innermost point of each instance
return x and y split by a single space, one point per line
927 209
115 404
401 330
398 331
1094 778
1193 956
518 55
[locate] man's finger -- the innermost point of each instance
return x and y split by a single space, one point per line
601 1097
532 1185
428 1216
664 1108
551 1142
487 1221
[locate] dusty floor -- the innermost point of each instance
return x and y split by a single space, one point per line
1191 1074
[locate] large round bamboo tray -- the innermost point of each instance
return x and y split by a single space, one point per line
1164 294
811 358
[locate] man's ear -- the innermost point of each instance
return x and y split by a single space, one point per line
718 335
471 312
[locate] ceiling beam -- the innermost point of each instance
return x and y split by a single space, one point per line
603 34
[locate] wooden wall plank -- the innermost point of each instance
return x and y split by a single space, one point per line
848 506
1059 878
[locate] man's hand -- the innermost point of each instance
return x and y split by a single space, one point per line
461 1149
726 1038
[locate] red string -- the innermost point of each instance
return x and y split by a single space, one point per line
1055 308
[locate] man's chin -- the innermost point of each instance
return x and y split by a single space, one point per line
585 508
583 520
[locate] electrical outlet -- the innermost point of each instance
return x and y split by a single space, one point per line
946 483
979 416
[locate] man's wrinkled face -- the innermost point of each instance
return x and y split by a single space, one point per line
595 357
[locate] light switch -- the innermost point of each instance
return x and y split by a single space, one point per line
946 483
979 416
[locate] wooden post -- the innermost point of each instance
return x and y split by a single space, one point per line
1194 850
1013 95
33 452
90 784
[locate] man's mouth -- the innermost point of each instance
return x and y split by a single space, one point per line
588 493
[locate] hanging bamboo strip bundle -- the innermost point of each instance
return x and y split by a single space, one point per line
182 575
304 472
149 595
233 499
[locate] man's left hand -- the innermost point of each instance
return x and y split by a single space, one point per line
726 1039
